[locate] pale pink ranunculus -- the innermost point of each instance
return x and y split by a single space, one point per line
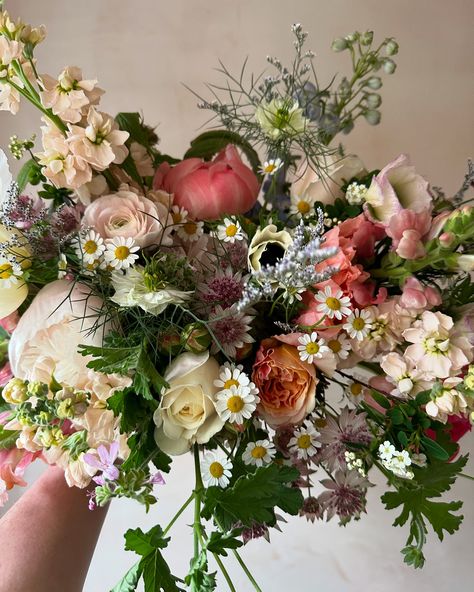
207 190
395 188
13 464
126 214
416 296
46 340
287 385
408 231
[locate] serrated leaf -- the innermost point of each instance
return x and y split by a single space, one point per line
144 543
198 580
130 580
157 575
8 438
218 542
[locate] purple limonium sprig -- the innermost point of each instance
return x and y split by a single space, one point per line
104 463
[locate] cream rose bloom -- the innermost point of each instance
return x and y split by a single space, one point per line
187 412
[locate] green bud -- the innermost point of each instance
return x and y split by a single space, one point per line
196 338
367 38
65 410
344 88
372 116
391 47
373 100
374 82
389 66
352 37
339 44
15 391
169 342
37 389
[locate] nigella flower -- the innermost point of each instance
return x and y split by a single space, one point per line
231 329
224 288
345 496
104 463
351 428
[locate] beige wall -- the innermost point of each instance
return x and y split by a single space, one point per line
141 51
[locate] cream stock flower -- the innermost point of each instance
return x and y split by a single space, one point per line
449 401
187 411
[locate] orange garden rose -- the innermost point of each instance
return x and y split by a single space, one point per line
287 385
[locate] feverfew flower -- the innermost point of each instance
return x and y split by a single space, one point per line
301 205
259 453
231 375
340 346
303 443
236 405
358 324
179 215
216 469
190 230
121 252
270 167
333 305
311 347
10 272
230 231
355 194
91 246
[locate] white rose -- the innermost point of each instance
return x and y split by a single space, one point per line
187 412
268 245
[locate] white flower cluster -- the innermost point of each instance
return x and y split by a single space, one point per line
355 194
354 464
395 461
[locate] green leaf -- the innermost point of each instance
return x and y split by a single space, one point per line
130 580
198 579
208 144
8 438
253 497
144 543
133 124
31 170
129 166
434 449
143 447
146 374
413 556
112 360
157 575
218 541
380 399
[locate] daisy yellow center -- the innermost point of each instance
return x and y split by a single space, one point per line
176 217
6 271
312 348
333 303
230 382
231 230
190 228
122 252
358 323
92 266
90 247
334 346
216 470
270 168
235 404
258 452
304 441
303 207
356 389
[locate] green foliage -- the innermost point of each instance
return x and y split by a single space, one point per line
198 580
218 541
139 132
30 173
459 293
254 497
7 438
130 580
415 499
57 195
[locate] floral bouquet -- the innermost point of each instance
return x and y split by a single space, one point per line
295 323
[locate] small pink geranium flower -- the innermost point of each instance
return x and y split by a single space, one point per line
104 462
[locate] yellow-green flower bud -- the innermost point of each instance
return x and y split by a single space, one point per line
15 391
65 409
37 389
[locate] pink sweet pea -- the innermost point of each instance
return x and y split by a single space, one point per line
207 190
408 229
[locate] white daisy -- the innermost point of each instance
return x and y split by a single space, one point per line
356 392
358 324
340 346
121 252
191 230
301 205
311 347
303 442
91 246
216 469
10 272
271 166
259 453
235 405
386 450
334 305
230 231
179 215
231 375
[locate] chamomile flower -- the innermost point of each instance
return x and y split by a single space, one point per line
270 167
10 272
301 205
356 392
191 230
235 405
303 442
179 215
358 324
311 347
230 231
91 246
231 375
386 450
259 453
333 305
121 252
340 346
216 469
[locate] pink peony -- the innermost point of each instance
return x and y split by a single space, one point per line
408 231
207 190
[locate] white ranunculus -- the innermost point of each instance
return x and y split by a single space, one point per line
187 413
327 187
267 241
5 176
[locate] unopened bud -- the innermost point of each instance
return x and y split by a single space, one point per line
446 239
391 48
339 44
389 66
367 38
372 116
196 338
374 82
373 100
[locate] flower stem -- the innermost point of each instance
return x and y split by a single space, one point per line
225 573
178 513
246 570
466 476
197 502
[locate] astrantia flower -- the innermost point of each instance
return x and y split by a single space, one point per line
303 443
224 288
345 496
301 205
231 375
333 304
311 347
91 246
235 404
270 167
216 469
311 509
121 252
358 324
10 272
259 453
190 230
230 231
340 346
231 328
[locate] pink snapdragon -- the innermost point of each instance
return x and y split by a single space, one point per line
13 464
408 230
417 296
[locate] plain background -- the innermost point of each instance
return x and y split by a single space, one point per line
141 52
